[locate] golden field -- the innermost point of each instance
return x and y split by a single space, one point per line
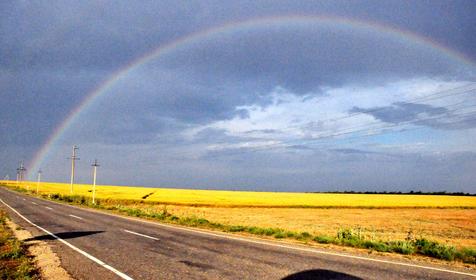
451 226
446 219
256 199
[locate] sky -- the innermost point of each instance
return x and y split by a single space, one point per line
241 95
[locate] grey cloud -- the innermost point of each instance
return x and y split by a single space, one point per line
353 151
420 114
301 147
264 131
212 135
400 112
454 122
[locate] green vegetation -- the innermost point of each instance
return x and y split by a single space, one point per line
14 262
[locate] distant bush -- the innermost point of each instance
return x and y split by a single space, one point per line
290 234
324 239
466 255
434 249
237 228
402 247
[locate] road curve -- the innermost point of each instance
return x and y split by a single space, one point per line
94 245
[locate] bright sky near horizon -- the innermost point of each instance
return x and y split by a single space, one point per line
282 96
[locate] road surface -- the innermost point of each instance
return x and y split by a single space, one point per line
94 245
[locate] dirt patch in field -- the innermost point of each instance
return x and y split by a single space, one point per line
47 262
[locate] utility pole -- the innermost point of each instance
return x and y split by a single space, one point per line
38 181
20 171
73 159
95 166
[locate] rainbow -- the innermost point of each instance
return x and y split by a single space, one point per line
232 27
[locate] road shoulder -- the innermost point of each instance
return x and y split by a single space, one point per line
45 259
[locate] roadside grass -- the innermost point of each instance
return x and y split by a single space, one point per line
14 262
344 236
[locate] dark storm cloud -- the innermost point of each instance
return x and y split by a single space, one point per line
102 37
93 35
154 101
207 81
54 53
38 102
108 34
304 58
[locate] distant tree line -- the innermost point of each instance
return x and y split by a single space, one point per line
410 193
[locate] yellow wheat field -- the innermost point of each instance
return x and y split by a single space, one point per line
253 199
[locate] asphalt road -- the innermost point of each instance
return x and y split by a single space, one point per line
94 245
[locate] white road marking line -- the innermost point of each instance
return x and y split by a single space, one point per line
140 234
34 203
49 208
94 259
312 250
75 217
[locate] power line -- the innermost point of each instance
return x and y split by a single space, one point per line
367 126
439 116
433 96
341 133
464 89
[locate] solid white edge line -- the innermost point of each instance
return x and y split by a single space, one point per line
75 217
49 208
94 259
312 250
34 203
140 234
